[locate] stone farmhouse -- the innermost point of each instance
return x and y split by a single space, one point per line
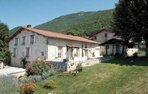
35 44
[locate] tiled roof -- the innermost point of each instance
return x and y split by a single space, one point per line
53 35
99 31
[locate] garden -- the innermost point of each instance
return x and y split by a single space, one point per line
117 76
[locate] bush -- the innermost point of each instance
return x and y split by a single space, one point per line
50 84
5 57
65 60
23 79
117 55
32 78
8 85
23 62
79 67
37 78
37 67
135 55
27 88
48 73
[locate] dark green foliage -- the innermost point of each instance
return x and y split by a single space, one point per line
4 51
50 84
37 67
23 61
12 31
37 78
82 23
65 60
131 20
135 55
79 67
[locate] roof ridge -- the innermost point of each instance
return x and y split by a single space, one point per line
54 35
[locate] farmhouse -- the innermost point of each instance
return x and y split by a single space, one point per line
34 44
111 44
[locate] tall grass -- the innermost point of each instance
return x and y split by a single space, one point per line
8 85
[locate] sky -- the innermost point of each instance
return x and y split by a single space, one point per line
23 12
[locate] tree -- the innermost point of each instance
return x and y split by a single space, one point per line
130 20
4 51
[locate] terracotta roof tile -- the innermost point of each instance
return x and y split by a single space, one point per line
55 35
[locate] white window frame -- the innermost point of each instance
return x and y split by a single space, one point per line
60 51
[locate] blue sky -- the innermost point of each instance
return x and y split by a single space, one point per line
22 12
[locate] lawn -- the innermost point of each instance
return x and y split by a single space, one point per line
118 76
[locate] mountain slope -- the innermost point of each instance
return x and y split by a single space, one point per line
81 23
12 31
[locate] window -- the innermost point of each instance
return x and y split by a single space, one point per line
14 52
94 38
59 52
32 39
27 52
16 42
76 52
23 40
42 53
106 35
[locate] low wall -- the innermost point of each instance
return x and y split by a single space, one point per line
71 65
131 51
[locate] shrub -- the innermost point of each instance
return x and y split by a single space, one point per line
65 60
37 78
27 88
23 62
135 55
23 79
51 72
117 55
31 78
50 84
37 67
79 67
8 85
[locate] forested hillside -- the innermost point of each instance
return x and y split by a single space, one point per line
82 23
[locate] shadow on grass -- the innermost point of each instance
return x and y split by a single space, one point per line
139 61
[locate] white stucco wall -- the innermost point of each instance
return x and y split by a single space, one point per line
50 48
100 37
53 48
35 49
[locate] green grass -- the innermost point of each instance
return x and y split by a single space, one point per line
8 85
110 77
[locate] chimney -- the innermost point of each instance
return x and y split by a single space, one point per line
29 26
